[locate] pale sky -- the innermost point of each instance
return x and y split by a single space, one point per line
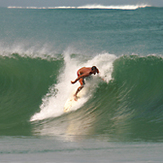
54 3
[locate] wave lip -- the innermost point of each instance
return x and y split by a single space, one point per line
89 6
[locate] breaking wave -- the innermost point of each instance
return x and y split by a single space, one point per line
90 6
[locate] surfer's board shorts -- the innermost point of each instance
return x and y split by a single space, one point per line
81 81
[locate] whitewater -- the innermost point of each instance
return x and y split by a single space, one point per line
89 6
54 105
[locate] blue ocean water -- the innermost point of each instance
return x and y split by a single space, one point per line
117 120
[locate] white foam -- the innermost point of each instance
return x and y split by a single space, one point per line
53 102
120 7
26 49
89 6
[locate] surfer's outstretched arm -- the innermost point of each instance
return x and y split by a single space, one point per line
81 76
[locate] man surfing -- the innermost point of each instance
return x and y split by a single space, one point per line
82 73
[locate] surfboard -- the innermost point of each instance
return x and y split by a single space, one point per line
70 103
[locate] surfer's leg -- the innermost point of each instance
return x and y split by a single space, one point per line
79 88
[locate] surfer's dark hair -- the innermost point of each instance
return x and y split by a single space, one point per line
95 68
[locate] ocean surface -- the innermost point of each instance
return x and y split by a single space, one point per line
118 120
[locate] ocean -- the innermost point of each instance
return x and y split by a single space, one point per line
119 120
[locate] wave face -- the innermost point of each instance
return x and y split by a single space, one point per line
128 106
24 81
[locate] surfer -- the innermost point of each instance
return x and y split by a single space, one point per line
82 73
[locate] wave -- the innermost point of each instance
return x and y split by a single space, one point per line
90 6
120 7
53 103
24 80
127 106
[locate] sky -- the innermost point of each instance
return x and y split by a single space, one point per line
54 3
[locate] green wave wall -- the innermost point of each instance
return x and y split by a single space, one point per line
129 107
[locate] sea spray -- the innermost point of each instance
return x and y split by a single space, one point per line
53 102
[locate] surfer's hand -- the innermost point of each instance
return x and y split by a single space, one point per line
72 82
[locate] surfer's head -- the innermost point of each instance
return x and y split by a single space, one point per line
95 69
